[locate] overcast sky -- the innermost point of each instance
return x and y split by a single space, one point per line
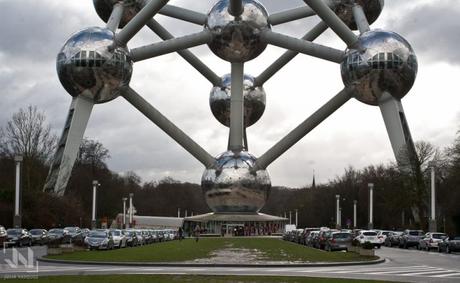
33 32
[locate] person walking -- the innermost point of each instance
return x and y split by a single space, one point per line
197 232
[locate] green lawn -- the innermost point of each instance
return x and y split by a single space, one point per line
184 279
187 250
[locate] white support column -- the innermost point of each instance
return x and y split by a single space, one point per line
178 212
131 210
93 218
296 218
124 213
433 224
237 109
371 205
337 211
355 203
290 217
17 223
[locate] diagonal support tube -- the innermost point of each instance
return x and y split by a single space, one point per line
237 109
186 54
183 14
302 46
117 13
235 8
333 21
168 127
168 46
360 18
288 56
136 24
290 15
303 129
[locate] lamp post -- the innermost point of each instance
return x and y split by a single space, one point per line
131 210
371 206
17 219
124 213
355 203
290 217
337 211
296 218
433 224
93 218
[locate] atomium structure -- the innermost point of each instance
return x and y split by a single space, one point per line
95 65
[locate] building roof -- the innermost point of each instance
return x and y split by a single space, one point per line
233 217
154 221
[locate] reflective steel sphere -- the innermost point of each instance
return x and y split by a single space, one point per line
232 187
88 65
237 39
104 9
254 101
343 8
385 63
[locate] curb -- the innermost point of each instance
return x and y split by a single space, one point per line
176 264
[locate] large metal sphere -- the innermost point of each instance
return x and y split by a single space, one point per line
254 101
237 39
104 9
88 65
232 187
343 8
385 63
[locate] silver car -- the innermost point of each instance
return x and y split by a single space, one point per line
99 240
119 239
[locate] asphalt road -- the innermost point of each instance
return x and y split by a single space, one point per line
401 265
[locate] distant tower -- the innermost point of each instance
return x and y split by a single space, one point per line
313 183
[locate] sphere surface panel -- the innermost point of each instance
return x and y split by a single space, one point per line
231 187
385 63
254 101
88 65
104 9
237 39
344 9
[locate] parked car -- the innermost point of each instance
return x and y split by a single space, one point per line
382 235
368 236
338 241
75 234
431 240
99 240
312 238
85 232
19 237
39 236
393 239
58 235
410 238
322 237
119 239
131 238
3 235
449 244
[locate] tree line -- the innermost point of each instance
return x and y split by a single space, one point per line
401 197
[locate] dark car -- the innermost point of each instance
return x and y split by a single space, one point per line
85 232
450 244
393 239
323 237
75 234
131 238
99 240
39 236
338 241
58 235
3 235
411 238
19 237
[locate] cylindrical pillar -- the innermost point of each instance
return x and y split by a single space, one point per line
290 217
433 224
337 211
371 206
178 212
17 196
296 218
131 210
355 203
93 217
124 213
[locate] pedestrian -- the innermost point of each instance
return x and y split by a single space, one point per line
181 234
197 232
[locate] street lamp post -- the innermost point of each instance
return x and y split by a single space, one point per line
355 203
93 218
124 213
17 219
131 210
296 218
337 211
371 206
290 217
433 224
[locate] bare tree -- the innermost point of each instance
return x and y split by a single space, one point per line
28 134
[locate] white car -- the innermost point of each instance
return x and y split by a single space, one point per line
119 239
368 236
431 240
382 235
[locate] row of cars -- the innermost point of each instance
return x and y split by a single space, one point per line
93 239
332 239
